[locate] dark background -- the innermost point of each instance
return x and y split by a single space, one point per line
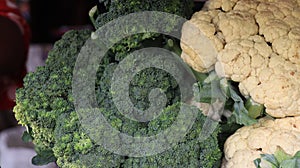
49 19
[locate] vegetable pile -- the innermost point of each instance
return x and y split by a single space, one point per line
247 86
46 105
256 45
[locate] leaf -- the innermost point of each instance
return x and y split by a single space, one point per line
270 158
281 155
213 88
297 155
257 162
26 137
43 158
254 109
290 163
240 112
212 76
294 162
280 159
207 93
199 76
210 92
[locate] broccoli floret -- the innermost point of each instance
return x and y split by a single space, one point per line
189 152
47 92
152 78
116 9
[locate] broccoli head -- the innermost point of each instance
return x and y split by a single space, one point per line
47 107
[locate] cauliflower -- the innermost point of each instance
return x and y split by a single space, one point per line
249 142
255 43
193 47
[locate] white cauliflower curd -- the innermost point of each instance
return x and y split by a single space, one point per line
256 43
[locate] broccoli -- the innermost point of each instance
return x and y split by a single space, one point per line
79 151
45 105
115 9
47 92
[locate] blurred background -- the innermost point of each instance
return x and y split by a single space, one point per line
49 20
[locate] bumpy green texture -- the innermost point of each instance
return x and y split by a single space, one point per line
189 152
45 106
47 92
118 8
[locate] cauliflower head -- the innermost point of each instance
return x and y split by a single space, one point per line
248 142
257 44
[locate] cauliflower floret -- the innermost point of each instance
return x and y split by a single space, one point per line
264 75
247 5
260 49
288 48
196 51
230 25
225 5
241 58
246 145
200 53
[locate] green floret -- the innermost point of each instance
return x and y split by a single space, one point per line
115 9
188 152
46 92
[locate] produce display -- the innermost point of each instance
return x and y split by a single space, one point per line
258 46
265 137
245 95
